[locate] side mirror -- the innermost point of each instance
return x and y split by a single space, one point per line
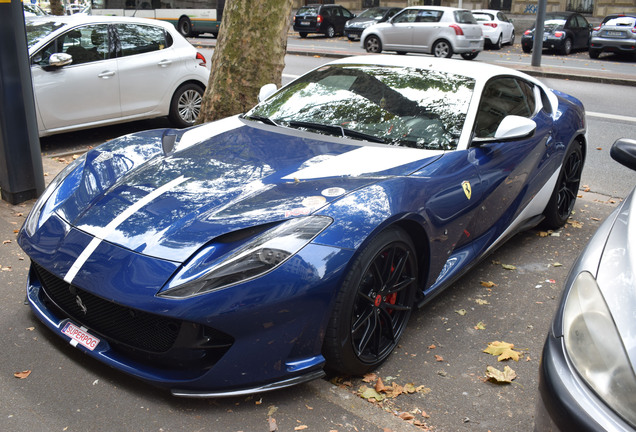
513 126
624 152
266 91
60 59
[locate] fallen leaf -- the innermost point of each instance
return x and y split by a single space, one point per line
406 416
439 358
432 346
369 393
301 427
272 409
480 326
461 312
481 302
273 427
498 376
488 284
379 386
502 349
509 267
370 377
22 375
557 264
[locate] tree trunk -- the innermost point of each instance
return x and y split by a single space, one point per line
249 53
56 7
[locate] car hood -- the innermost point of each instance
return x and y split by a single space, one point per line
616 277
221 177
358 21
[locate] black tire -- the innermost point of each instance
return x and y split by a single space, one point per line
401 52
373 305
442 48
594 53
497 44
526 49
469 56
185 27
303 34
186 105
564 195
512 39
331 32
566 49
373 44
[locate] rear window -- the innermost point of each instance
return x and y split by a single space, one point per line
307 11
464 17
622 22
483 16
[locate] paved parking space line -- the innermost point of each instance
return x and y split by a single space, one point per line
610 116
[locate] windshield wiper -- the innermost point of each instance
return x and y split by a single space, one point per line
336 130
261 119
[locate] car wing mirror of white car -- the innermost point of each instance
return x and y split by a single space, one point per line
266 91
624 152
60 59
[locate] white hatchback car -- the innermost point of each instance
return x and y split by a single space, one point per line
91 71
438 30
498 29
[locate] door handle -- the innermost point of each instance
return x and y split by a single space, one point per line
106 74
164 63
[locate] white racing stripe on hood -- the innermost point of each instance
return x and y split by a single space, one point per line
363 160
207 131
104 232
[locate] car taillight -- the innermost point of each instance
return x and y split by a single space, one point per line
596 28
559 34
458 29
527 32
319 19
201 58
493 25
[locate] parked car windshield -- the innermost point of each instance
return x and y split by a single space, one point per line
375 13
307 11
38 30
401 106
464 17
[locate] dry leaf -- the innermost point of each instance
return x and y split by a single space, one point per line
406 416
480 326
498 376
301 427
370 377
509 267
439 358
488 284
502 349
22 375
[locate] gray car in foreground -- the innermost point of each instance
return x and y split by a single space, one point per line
586 379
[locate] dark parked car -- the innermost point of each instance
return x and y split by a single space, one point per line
327 19
354 27
617 34
586 379
563 32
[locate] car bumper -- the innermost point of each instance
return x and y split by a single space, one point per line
565 402
463 45
614 45
353 33
307 29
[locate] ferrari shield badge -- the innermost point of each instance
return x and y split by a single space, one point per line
467 190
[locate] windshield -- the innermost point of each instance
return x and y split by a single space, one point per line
374 13
38 30
402 106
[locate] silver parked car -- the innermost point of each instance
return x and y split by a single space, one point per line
586 378
90 71
437 30
617 34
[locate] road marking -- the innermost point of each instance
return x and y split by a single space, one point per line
610 116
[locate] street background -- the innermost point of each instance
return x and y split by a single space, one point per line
441 352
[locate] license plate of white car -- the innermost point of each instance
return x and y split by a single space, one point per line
614 33
80 336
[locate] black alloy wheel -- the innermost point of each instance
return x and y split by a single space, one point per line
566 190
373 305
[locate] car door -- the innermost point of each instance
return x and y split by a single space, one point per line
84 92
581 30
344 16
398 33
148 68
507 27
426 29
512 172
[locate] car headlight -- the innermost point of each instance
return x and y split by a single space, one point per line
595 347
47 201
258 256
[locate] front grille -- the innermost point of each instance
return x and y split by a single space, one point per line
141 335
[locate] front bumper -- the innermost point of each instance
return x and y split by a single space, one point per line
565 402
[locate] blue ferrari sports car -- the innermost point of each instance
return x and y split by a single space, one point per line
254 252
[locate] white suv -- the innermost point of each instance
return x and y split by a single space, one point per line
437 30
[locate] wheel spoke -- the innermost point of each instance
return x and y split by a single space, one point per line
369 333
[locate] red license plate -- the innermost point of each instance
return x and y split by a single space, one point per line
80 336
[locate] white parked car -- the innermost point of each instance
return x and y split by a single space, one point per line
91 71
441 31
497 28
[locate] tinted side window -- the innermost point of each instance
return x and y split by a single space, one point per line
503 97
346 13
429 16
138 39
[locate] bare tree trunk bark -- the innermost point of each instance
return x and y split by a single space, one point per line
56 7
249 53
